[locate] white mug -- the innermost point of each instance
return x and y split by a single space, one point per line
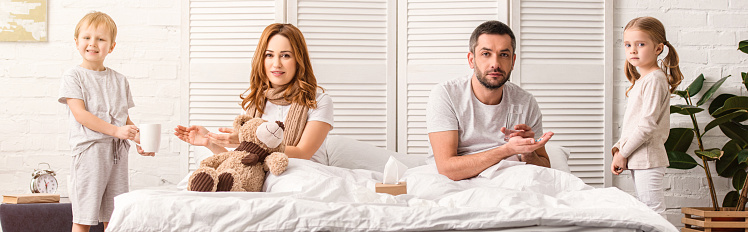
150 137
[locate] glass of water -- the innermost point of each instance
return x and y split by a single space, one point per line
514 117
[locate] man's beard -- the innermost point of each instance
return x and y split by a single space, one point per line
483 80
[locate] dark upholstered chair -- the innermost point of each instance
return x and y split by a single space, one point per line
46 217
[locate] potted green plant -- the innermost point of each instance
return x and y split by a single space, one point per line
729 111
680 139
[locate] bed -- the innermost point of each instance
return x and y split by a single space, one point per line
315 197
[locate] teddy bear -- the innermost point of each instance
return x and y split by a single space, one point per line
243 169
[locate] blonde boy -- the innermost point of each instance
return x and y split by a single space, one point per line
98 98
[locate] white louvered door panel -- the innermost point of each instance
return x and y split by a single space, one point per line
223 35
352 47
575 113
433 40
562 53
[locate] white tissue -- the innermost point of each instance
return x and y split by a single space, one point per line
393 171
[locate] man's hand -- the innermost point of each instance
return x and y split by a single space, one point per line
126 132
524 131
521 130
521 145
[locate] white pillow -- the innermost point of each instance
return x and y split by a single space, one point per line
341 152
559 157
349 153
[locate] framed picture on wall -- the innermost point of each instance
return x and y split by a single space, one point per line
23 20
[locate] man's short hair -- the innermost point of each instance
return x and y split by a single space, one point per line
492 27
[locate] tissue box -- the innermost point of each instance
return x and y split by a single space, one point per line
393 189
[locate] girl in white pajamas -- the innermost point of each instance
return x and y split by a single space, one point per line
646 122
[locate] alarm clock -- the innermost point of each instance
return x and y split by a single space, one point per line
43 180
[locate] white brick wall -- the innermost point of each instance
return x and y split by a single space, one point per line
35 126
705 34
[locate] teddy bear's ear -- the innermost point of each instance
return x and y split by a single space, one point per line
281 125
240 120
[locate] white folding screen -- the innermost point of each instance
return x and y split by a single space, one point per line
352 47
379 59
222 38
433 38
351 44
562 50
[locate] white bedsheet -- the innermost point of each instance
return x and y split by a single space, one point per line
311 197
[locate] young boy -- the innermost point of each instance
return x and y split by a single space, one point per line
98 98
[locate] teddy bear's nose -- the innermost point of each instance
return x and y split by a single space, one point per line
270 134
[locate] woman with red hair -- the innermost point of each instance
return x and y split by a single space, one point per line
282 88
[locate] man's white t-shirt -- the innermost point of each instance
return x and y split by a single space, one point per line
323 113
452 105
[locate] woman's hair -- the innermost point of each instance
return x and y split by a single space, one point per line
303 87
94 19
656 32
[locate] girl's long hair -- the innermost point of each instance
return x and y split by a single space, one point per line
656 32
303 87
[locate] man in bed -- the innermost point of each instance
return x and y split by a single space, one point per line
466 118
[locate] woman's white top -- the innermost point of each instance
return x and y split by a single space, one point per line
323 113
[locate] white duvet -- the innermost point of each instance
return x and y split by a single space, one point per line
312 197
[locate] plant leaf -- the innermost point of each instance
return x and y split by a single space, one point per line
743 46
718 102
675 110
733 103
738 179
727 165
743 156
708 94
735 131
724 119
745 75
681 93
710 154
740 118
731 199
694 87
679 139
685 109
681 160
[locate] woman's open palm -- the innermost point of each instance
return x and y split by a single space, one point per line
195 135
